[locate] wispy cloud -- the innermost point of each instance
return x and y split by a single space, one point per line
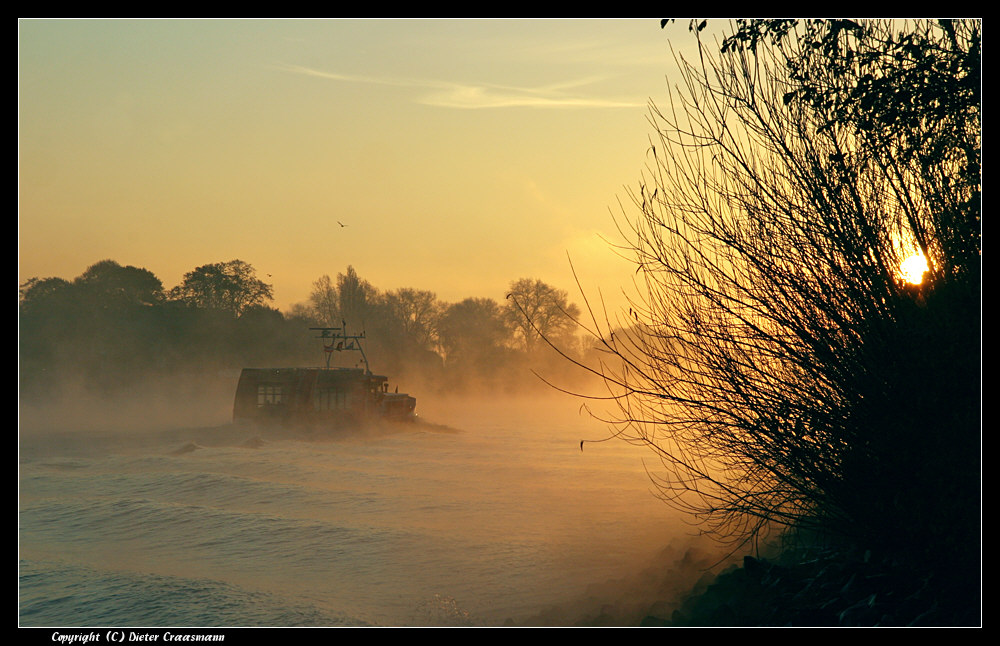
467 96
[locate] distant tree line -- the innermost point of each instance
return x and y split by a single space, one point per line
114 326
477 341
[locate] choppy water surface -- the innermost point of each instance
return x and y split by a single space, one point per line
489 514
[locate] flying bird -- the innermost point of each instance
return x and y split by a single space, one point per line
341 223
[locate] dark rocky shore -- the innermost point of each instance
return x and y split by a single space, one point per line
829 589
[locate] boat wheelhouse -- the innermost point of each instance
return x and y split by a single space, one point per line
320 397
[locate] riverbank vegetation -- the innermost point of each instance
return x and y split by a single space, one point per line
790 374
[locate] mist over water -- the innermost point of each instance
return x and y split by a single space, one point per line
484 513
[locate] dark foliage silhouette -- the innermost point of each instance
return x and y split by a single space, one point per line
229 286
777 363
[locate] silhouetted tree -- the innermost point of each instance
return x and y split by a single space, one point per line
324 302
304 313
536 310
356 297
35 291
229 286
412 314
47 312
777 363
473 333
102 326
108 282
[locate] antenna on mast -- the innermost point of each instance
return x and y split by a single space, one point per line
336 339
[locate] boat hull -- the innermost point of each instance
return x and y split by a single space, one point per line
317 397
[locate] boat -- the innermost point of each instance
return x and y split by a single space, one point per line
327 397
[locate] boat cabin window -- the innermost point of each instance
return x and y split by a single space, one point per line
330 399
269 395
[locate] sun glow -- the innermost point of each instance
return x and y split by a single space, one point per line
913 269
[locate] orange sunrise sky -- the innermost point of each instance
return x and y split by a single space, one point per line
460 154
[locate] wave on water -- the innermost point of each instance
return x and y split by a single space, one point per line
491 517
90 597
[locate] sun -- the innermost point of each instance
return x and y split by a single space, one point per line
913 269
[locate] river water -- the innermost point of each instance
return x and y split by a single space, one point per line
487 513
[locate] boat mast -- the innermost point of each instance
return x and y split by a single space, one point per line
336 339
